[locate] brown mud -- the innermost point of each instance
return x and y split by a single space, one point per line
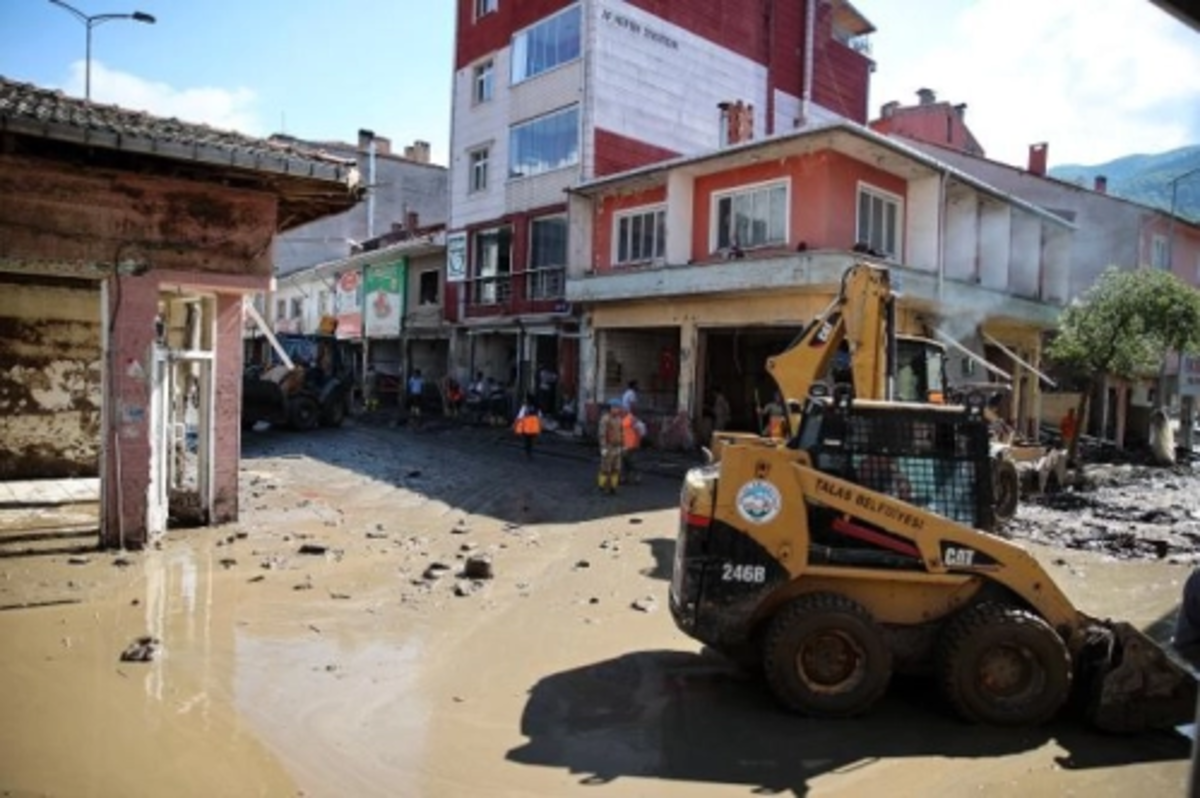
317 649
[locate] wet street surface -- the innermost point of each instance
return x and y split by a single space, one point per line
427 613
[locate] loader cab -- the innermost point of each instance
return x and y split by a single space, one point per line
920 370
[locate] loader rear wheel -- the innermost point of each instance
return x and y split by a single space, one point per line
1004 666
823 655
1006 490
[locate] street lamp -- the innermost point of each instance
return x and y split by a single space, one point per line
90 21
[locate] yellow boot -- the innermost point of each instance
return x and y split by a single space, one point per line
602 481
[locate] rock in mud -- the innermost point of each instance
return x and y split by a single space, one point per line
436 570
648 604
144 649
313 548
78 559
464 588
478 566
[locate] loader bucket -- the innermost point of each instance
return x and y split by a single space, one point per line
1131 684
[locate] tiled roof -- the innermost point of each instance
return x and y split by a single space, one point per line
29 109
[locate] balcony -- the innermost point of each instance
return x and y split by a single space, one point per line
536 291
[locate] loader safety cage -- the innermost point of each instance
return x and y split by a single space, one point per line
933 457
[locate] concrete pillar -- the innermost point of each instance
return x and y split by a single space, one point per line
227 408
680 194
590 358
689 348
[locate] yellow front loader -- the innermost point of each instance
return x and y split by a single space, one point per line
857 549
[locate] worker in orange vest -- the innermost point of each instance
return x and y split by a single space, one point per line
528 425
632 432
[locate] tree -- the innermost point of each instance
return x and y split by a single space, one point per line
1125 325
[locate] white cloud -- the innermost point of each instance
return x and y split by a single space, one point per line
228 109
1096 80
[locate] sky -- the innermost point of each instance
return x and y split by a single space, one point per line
1095 79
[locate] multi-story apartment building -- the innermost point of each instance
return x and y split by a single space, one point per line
549 94
1112 231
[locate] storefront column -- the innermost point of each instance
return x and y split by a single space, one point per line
689 348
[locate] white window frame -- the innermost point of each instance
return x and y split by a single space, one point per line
750 188
518 49
653 211
513 150
886 197
485 7
1160 254
477 167
483 82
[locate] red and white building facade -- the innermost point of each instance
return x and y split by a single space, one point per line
549 94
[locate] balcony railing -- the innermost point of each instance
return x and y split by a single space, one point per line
548 283
493 290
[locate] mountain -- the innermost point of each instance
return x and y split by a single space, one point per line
1146 179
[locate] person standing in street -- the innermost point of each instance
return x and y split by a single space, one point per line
528 425
772 417
416 389
371 389
629 399
612 438
720 410
632 432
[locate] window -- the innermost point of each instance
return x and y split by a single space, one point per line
547 257
544 144
297 308
479 170
281 309
493 265
879 221
550 43
485 7
1160 257
484 80
323 303
428 288
752 218
641 236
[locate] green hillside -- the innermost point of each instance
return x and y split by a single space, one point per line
1146 179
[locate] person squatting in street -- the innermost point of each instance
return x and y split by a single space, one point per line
612 438
528 425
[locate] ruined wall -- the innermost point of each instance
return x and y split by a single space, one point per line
52 214
50 372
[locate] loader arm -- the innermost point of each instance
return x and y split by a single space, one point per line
861 316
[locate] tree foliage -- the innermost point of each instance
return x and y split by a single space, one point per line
1126 323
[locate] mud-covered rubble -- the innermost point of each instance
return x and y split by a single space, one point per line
1127 511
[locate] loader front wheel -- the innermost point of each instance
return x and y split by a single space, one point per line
304 413
1004 666
823 655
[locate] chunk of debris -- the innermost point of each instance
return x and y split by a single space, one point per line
122 562
78 559
376 535
648 604
635 520
460 528
464 588
339 596
478 566
582 564
227 562
313 548
144 649
436 570
258 578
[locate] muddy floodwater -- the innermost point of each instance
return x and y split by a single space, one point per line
425 613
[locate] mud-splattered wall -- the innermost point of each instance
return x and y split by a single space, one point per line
50 372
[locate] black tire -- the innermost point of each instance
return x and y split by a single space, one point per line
303 413
1003 666
823 655
1006 490
334 411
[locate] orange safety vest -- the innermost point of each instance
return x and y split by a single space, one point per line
529 424
629 435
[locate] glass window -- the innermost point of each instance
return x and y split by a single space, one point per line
548 243
484 80
544 144
641 236
550 43
752 218
1159 257
493 265
485 7
281 309
879 222
297 308
479 170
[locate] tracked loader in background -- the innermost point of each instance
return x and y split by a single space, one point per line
861 546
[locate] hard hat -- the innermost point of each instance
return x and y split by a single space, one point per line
615 404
